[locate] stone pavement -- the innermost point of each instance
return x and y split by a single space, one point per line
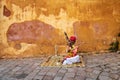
105 66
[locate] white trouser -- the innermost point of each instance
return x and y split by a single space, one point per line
72 60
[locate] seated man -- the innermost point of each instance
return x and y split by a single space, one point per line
72 56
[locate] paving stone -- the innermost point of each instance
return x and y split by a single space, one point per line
114 71
4 78
72 70
118 63
1 74
70 75
112 65
114 68
46 77
107 70
118 66
81 69
60 74
89 70
92 75
104 74
92 65
114 76
63 70
51 74
38 67
27 68
96 71
18 72
68 78
16 69
54 69
2 68
32 74
37 77
104 78
80 77
82 73
21 76
89 79
97 68
58 78
41 73
103 66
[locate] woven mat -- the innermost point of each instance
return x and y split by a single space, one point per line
55 61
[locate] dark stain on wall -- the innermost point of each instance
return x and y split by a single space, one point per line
34 31
6 11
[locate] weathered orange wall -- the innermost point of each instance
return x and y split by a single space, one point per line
95 23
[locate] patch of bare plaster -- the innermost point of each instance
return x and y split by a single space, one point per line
62 21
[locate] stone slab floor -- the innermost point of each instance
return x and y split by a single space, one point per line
105 66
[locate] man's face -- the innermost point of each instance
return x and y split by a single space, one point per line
72 42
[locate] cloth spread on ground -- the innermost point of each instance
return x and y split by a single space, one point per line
55 61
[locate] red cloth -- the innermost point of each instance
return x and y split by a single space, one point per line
73 38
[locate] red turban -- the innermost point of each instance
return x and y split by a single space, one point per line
73 38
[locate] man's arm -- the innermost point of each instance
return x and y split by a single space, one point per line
68 41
